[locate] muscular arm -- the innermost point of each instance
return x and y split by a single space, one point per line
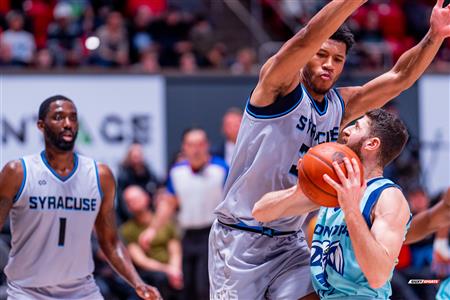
105 227
143 261
377 249
406 71
175 254
165 210
10 182
281 71
283 203
430 221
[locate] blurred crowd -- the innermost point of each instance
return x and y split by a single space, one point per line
155 35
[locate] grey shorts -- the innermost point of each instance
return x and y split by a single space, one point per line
245 265
79 289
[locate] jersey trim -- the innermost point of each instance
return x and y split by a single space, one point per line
373 198
98 180
281 107
22 185
61 178
320 112
342 101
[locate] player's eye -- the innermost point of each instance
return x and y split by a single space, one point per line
58 117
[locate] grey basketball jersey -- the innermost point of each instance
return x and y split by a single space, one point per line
271 140
51 223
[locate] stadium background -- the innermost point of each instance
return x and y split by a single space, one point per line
174 64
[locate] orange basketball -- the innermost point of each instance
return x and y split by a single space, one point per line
317 162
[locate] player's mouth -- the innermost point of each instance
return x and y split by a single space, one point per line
67 136
325 76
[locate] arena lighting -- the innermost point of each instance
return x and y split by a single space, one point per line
92 43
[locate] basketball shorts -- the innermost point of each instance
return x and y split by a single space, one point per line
245 265
79 289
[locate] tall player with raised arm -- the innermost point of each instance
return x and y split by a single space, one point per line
55 199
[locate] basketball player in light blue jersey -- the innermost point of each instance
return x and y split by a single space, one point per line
355 246
55 199
428 222
292 108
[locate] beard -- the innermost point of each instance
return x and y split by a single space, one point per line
308 77
357 148
57 141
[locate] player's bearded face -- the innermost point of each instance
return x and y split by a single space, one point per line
58 140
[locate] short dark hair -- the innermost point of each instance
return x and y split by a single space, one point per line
190 129
344 35
391 131
45 106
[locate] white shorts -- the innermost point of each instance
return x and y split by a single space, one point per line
246 265
79 289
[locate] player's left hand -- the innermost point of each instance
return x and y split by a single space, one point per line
351 189
440 20
148 292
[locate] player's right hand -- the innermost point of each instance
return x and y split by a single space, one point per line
146 238
148 292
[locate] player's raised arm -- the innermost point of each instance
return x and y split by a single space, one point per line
406 71
279 73
112 247
11 178
429 221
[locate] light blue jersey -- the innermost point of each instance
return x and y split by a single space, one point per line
334 269
444 290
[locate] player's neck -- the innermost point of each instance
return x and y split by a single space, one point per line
372 171
315 96
61 161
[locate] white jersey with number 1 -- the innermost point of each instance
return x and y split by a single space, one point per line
51 223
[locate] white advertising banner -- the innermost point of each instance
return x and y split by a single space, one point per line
434 112
114 111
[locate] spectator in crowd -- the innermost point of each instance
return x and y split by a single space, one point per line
18 45
231 122
113 49
441 254
194 189
188 63
148 63
160 263
141 40
245 63
203 38
64 37
134 171
44 60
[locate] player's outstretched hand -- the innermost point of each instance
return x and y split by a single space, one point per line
351 189
440 20
148 292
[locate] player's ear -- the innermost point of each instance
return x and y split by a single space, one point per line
373 144
40 125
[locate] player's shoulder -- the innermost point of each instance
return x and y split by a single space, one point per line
14 167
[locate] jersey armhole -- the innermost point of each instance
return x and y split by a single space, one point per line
281 107
98 180
373 198
22 185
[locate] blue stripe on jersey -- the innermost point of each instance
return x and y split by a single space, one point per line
169 186
98 180
342 101
282 105
62 178
320 112
373 198
22 185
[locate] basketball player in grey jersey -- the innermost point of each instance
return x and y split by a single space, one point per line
293 108
55 198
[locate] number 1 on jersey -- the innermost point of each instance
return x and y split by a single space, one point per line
62 232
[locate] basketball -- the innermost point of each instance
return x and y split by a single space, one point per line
317 162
